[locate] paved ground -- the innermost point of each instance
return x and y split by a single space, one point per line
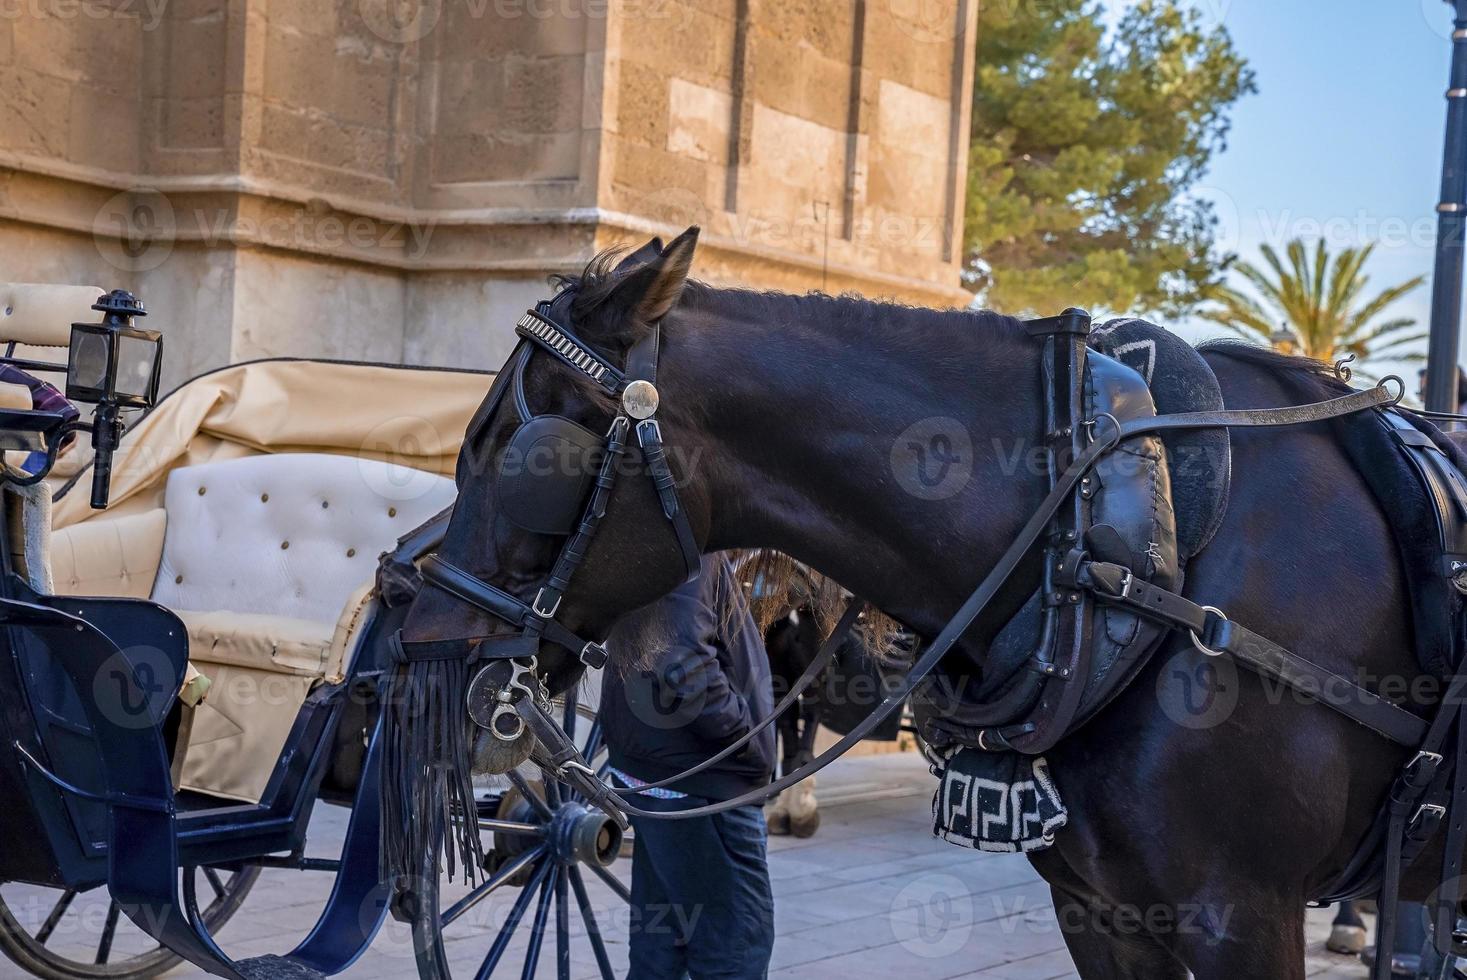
872 895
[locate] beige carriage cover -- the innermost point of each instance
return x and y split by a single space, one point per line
412 417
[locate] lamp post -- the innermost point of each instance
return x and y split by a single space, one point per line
1446 284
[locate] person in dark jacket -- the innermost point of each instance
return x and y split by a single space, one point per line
701 901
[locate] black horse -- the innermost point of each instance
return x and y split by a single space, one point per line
1188 848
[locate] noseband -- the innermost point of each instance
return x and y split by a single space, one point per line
538 503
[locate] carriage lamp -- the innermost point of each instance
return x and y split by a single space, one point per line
114 365
115 362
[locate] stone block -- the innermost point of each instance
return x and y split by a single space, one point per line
104 130
798 80
35 113
642 104
313 137
699 120
826 26
329 76
486 157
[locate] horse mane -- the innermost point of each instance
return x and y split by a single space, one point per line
596 282
1313 379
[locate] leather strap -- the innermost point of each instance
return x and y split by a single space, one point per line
641 362
1244 418
1216 635
1448 898
1319 683
649 437
1105 439
476 592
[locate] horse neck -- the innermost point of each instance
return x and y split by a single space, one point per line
799 415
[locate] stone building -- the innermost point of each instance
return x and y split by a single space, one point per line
394 179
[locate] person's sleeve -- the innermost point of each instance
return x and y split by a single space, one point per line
693 674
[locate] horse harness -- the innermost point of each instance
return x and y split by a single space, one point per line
1089 567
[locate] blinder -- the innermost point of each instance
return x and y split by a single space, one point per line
546 472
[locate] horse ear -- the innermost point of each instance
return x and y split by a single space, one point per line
658 285
634 260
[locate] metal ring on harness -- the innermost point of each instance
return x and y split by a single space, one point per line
1197 640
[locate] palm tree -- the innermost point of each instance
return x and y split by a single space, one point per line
1316 307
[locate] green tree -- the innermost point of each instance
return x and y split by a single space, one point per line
1084 145
1317 307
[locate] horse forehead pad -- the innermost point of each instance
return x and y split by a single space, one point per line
546 472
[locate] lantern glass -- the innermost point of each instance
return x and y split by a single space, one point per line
89 362
137 367
113 364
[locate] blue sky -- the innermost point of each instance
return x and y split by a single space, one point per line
1344 137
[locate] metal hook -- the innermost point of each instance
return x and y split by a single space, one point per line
1385 382
1342 369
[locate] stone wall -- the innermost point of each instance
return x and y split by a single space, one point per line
394 179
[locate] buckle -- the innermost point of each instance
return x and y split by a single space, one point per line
648 424
594 655
539 597
1128 579
1421 770
1425 821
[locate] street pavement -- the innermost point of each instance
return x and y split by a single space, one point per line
871 895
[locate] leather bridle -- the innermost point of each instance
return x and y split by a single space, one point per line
536 620
520 701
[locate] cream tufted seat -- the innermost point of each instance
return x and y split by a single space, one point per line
268 560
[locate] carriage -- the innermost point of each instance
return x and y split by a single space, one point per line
193 668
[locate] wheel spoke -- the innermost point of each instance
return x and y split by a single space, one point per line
509 870
593 741
537 930
552 791
511 827
54 919
593 931
568 720
215 882
613 882
109 930
562 926
506 931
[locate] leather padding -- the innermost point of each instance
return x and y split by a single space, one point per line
1132 496
1199 461
546 472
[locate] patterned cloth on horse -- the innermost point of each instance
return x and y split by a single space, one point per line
1155 503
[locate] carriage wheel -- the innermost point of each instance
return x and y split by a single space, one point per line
543 839
49 931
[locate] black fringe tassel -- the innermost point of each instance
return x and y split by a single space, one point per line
426 781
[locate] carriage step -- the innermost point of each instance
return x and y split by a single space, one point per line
277 968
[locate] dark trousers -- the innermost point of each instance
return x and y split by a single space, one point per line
701 904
